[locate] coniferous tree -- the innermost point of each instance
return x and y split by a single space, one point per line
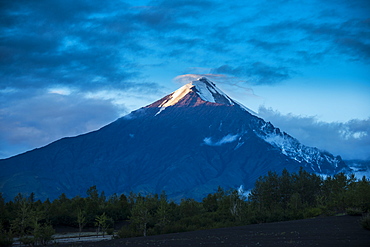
140 214
162 212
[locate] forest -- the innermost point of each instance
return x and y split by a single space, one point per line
275 197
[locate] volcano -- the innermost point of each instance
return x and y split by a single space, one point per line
187 144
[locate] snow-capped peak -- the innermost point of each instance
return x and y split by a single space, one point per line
208 91
205 89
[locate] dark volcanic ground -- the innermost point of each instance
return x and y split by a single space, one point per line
323 231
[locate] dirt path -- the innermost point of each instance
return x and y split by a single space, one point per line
73 237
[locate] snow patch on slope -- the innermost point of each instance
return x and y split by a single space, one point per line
226 139
243 194
177 95
293 149
207 91
243 107
204 91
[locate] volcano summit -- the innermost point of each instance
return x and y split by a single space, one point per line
187 143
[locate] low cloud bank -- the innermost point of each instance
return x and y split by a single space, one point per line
350 140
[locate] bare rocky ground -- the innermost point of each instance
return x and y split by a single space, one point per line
322 231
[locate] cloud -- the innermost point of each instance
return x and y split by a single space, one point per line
80 44
351 140
348 36
269 45
93 45
39 118
157 17
358 49
186 78
257 73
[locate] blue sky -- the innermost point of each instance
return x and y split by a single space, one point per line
69 67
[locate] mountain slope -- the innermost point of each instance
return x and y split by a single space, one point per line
187 143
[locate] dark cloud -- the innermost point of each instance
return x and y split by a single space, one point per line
158 18
204 5
350 37
357 49
301 57
269 45
187 43
261 73
76 43
91 44
351 140
186 8
227 69
257 73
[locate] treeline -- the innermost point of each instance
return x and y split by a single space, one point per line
303 195
275 197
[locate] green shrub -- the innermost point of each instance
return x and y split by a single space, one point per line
365 221
354 211
44 234
110 231
327 211
176 228
6 238
128 232
313 212
28 241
